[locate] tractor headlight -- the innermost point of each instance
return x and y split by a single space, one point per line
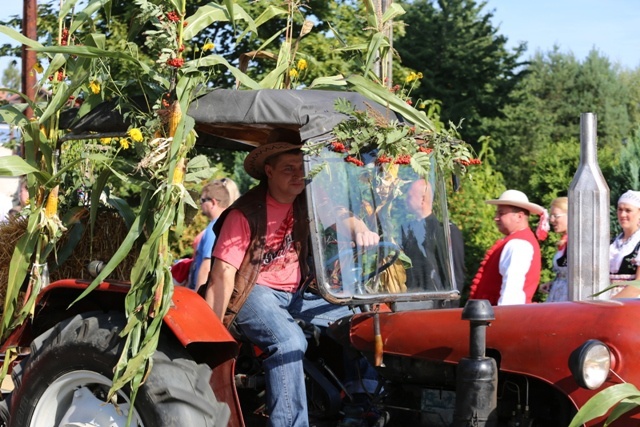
590 364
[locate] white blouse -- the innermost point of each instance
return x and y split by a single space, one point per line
619 249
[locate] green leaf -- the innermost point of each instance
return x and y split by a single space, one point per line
213 60
328 82
603 401
13 115
123 250
15 166
19 37
96 40
622 408
269 13
87 52
372 17
54 65
123 208
212 12
72 238
84 16
421 163
177 5
373 51
67 6
393 10
381 95
19 268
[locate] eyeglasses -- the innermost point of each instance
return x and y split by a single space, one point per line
500 214
556 216
204 200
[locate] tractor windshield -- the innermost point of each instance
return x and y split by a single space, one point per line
413 260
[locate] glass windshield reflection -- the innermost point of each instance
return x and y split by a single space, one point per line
408 213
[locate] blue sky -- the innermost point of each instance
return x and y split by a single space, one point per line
610 26
577 26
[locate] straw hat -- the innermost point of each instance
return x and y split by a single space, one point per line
518 199
254 162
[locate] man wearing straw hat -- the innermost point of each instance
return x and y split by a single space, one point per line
510 271
259 264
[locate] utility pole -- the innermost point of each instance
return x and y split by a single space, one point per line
29 30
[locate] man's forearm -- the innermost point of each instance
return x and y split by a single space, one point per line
221 282
203 272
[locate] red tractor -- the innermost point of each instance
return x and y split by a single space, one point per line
527 365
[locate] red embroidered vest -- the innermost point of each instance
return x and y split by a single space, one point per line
488 281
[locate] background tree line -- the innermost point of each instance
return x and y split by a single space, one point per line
521 116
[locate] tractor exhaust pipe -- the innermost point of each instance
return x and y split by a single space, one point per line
477 375
588 221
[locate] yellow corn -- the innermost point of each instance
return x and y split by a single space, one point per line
174 118
178 172
52 203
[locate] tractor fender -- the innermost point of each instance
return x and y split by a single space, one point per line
192 321
189 318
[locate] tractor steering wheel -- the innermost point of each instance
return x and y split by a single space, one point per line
357 253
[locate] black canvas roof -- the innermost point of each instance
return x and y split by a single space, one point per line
245 118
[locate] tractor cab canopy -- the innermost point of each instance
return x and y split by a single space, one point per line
413 261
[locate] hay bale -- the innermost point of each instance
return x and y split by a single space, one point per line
108 235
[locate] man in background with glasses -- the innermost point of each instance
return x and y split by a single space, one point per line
215 197
510 271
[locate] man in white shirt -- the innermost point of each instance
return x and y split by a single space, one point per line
510 271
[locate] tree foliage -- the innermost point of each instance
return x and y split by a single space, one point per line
550 99
464 60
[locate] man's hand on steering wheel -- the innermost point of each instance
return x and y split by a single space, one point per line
366 238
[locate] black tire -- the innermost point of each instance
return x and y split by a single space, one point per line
4 414
74 361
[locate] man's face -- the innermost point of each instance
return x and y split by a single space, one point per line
206 204
419 197
508 219
286 177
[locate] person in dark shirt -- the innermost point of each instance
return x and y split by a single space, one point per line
423 241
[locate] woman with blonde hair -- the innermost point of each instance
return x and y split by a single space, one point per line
558 288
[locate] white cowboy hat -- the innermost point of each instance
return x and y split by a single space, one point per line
518 199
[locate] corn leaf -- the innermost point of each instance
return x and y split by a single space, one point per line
213 60
19 268
15 166
125 247
602 402
19 37
393 10
83 17
373 53
381 95
212 12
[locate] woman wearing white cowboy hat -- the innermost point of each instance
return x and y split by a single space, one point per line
510 271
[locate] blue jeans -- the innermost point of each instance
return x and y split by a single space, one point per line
267 320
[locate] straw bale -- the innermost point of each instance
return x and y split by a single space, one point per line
109 232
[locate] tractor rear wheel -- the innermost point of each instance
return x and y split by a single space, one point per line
67 376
